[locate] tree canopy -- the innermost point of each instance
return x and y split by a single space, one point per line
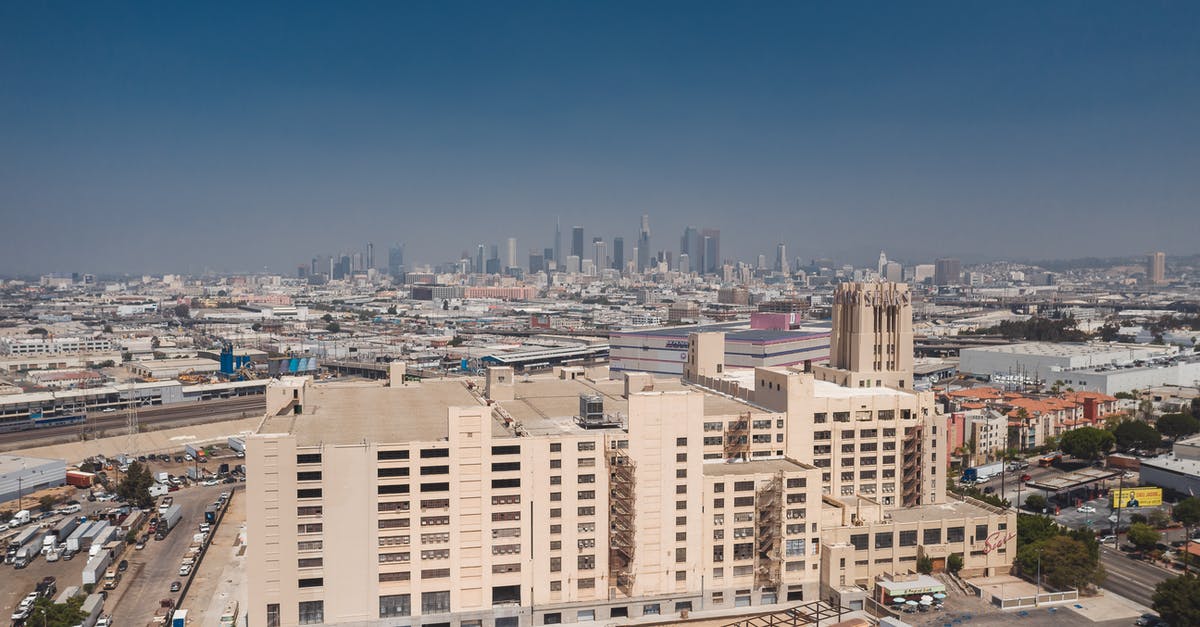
1035 503
1175 426
1187 512
1137 434
1087 442
1068 558
1177 600
135 487
49 614
1142 536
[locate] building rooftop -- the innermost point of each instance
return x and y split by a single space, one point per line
754 467
1172 463
346 414
16 463
939 511
1065 349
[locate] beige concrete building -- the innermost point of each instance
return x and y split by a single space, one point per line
572 497
874 342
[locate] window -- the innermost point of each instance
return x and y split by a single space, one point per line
310 545
394 558
820 417
435 504
389 455
794 548
512 449
508 499
555 564
393 541
499 516
586 495
272 615
312 612
435 602
908 538
981 532
743 501
556 463
883 540
308 475
435 470
506 483
933 536
308 458
394 523
392 489
796 483
859 540
954 534
587 462
309 510
680 441
392 472
386 577
395 605
651 609
505 466
309 493
427 521
435 573
586 562
586 511
309 528
556 447
719 553
585 446
587 583
435 487
680 555
313 582
587 479
822 435
433 453
309 562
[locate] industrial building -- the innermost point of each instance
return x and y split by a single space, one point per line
572 497
1048 362
22 475
1178 470
663 351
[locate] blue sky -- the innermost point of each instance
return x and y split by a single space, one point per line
175 137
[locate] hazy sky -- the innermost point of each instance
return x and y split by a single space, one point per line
173 136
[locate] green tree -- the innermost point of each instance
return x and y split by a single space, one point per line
1187 513
48 501
1142 536
1177 600
1065 562
46 613
925 564
333 327
1158 519
327 317
1035 503
135 487
38 331
1087 442
182 311
1035 528
1137 434
1175 426
954 563
391 310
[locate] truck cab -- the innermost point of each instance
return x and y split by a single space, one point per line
111 578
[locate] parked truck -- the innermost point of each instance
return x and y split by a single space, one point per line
19 518
112 577
210 513
168 521
162 477
71 546
93 572
179 618
159 489
58 537
237 445
18 541
983 473
98 528
165 504
91 608
29 552
81 479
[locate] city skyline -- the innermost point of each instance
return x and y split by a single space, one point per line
144 139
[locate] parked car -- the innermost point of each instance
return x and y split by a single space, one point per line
123 566
1109 539
175 586
1086 509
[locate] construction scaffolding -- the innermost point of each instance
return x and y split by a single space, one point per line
621 520
768 505
813 613
910 489
737 438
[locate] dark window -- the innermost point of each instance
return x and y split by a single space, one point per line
859 540
392 489
272 615
507 450
315 582
312 612
392 455
502 595
435 452
505 466
308 458
435 487
392 472
981 532
309 493
883 540
395 605
908 538
933 536
312 475
954 534
506 483
435 602
435 470
552 618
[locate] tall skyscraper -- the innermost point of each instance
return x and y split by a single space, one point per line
1156 268
577 241
947 271
882 263
479 267
510 259
537 262
599 253
781 260
618 253
557 243
712 250
873 340
644 257
396 259
370 255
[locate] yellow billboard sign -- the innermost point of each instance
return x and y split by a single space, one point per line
1137 497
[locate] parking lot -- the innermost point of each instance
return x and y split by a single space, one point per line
150 570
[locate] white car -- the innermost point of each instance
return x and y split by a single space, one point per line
107 410
210 482
184 570
1112 518
1127 474
1108 540
1086 509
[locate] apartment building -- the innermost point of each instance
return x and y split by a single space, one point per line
53 345
574 497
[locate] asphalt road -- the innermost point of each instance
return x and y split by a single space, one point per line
179 414
1131 578
152 569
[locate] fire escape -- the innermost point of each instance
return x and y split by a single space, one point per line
910 489
737 438
621 485
768 503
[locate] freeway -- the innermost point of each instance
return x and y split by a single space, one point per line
178 414
1131 578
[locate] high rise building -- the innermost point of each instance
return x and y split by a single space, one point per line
872 342
712 250
396 259
947 271
645 258
618 260
1156 268
536 261
645 497
781 260
599 253
693 246
479 260
510 258
370 255
557 244
577 241
882 263
548 258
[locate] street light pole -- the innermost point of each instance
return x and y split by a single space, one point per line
1039 578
